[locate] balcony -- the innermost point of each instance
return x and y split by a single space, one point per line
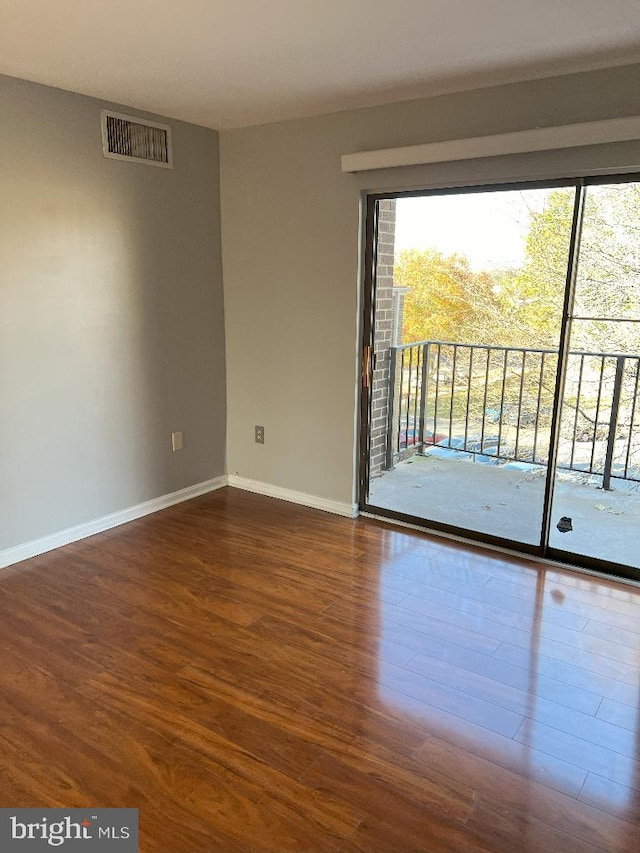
492 408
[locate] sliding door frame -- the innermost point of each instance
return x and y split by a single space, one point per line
563 351
570 557
543 549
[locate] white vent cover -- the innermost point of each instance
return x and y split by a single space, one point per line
135 139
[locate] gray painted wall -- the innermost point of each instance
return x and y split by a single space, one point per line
290 226
111 316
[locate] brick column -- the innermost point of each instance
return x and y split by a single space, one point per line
388 325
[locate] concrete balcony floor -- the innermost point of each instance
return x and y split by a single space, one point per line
506 501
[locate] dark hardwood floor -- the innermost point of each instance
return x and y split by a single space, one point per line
257 676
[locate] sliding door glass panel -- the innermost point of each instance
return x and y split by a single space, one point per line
596 497
469 296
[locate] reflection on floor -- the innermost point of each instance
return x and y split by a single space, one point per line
506 501
257 676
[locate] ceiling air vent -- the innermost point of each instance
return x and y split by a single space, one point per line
135 139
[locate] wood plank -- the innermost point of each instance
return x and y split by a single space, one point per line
526 679
590 756
225 770
499 826
530 704
330 726
466 658
457 601
578 603
583 588
355 613
412 832
522 791
548 635
598 675
334 640
607 647
606 631
627 716
518 601
257 676
612 797
482 622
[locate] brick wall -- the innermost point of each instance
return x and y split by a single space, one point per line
388 303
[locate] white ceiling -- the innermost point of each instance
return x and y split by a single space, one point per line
229 63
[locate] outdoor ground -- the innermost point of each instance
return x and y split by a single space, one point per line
506 501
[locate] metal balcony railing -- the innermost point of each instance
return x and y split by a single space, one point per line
497 402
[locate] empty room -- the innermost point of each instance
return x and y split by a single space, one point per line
320 435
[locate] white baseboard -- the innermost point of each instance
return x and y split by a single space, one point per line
72 534
314 501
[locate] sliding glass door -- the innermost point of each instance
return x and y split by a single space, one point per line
501 370
596 497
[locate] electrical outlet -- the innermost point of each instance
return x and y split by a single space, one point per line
259 435
177 442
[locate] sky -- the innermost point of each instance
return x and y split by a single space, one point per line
490 228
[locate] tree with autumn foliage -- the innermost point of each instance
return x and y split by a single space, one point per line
446 300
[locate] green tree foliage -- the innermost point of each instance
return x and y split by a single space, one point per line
536 291
448 301
608 283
